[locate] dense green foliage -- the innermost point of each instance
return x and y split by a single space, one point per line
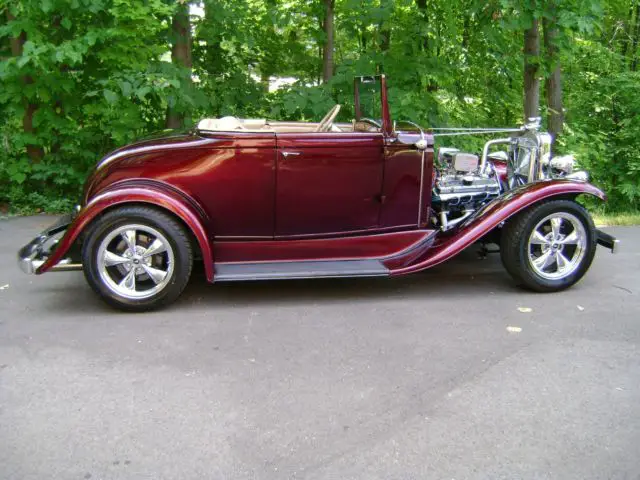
81 77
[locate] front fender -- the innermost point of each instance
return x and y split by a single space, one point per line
494 213
132 194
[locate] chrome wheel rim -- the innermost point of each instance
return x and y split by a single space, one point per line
557 246
135 261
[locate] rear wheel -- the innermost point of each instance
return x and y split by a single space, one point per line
550 246
137 258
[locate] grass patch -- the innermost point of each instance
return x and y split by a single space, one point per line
35 203
612 219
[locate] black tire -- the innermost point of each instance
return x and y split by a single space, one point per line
514 248
172 230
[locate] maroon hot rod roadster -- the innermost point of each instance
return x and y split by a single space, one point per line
256 199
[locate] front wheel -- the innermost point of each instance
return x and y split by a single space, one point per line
137 258
550 246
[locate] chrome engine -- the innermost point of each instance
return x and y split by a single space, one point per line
461 186
464 181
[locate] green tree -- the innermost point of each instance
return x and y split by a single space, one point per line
81 77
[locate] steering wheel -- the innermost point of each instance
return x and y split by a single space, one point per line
327 121
366 125
371 121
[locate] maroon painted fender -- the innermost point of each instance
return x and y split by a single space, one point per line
152 195
490 216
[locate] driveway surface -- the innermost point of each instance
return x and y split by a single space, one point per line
421 377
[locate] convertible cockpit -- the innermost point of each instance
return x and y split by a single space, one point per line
260 125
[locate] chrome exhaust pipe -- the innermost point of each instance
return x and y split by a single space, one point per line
66 267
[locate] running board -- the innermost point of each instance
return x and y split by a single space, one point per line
233 272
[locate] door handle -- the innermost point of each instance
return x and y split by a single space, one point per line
293 154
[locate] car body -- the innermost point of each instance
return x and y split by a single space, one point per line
258 200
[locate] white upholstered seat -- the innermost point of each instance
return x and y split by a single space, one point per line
225 124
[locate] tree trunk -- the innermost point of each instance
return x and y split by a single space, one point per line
384 34
531 68
553 82
264 81
636 37
327 49
181 56
424 13
385 28
58 107
35 152
628 31
18 42
385 39
268 61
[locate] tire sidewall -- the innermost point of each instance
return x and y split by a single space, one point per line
527 273
151 218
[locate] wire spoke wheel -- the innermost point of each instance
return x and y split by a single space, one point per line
135 261
557 245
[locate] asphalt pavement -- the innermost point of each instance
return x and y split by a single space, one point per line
454 373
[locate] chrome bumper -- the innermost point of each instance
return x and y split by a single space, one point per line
28 257
608 241
36 252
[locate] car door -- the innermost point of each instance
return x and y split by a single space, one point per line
234 181
328 183
408 176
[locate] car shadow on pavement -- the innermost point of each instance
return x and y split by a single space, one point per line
465 273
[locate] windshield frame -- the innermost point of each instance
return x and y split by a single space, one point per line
387 127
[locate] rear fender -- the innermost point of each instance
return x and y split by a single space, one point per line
132 194
493 214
